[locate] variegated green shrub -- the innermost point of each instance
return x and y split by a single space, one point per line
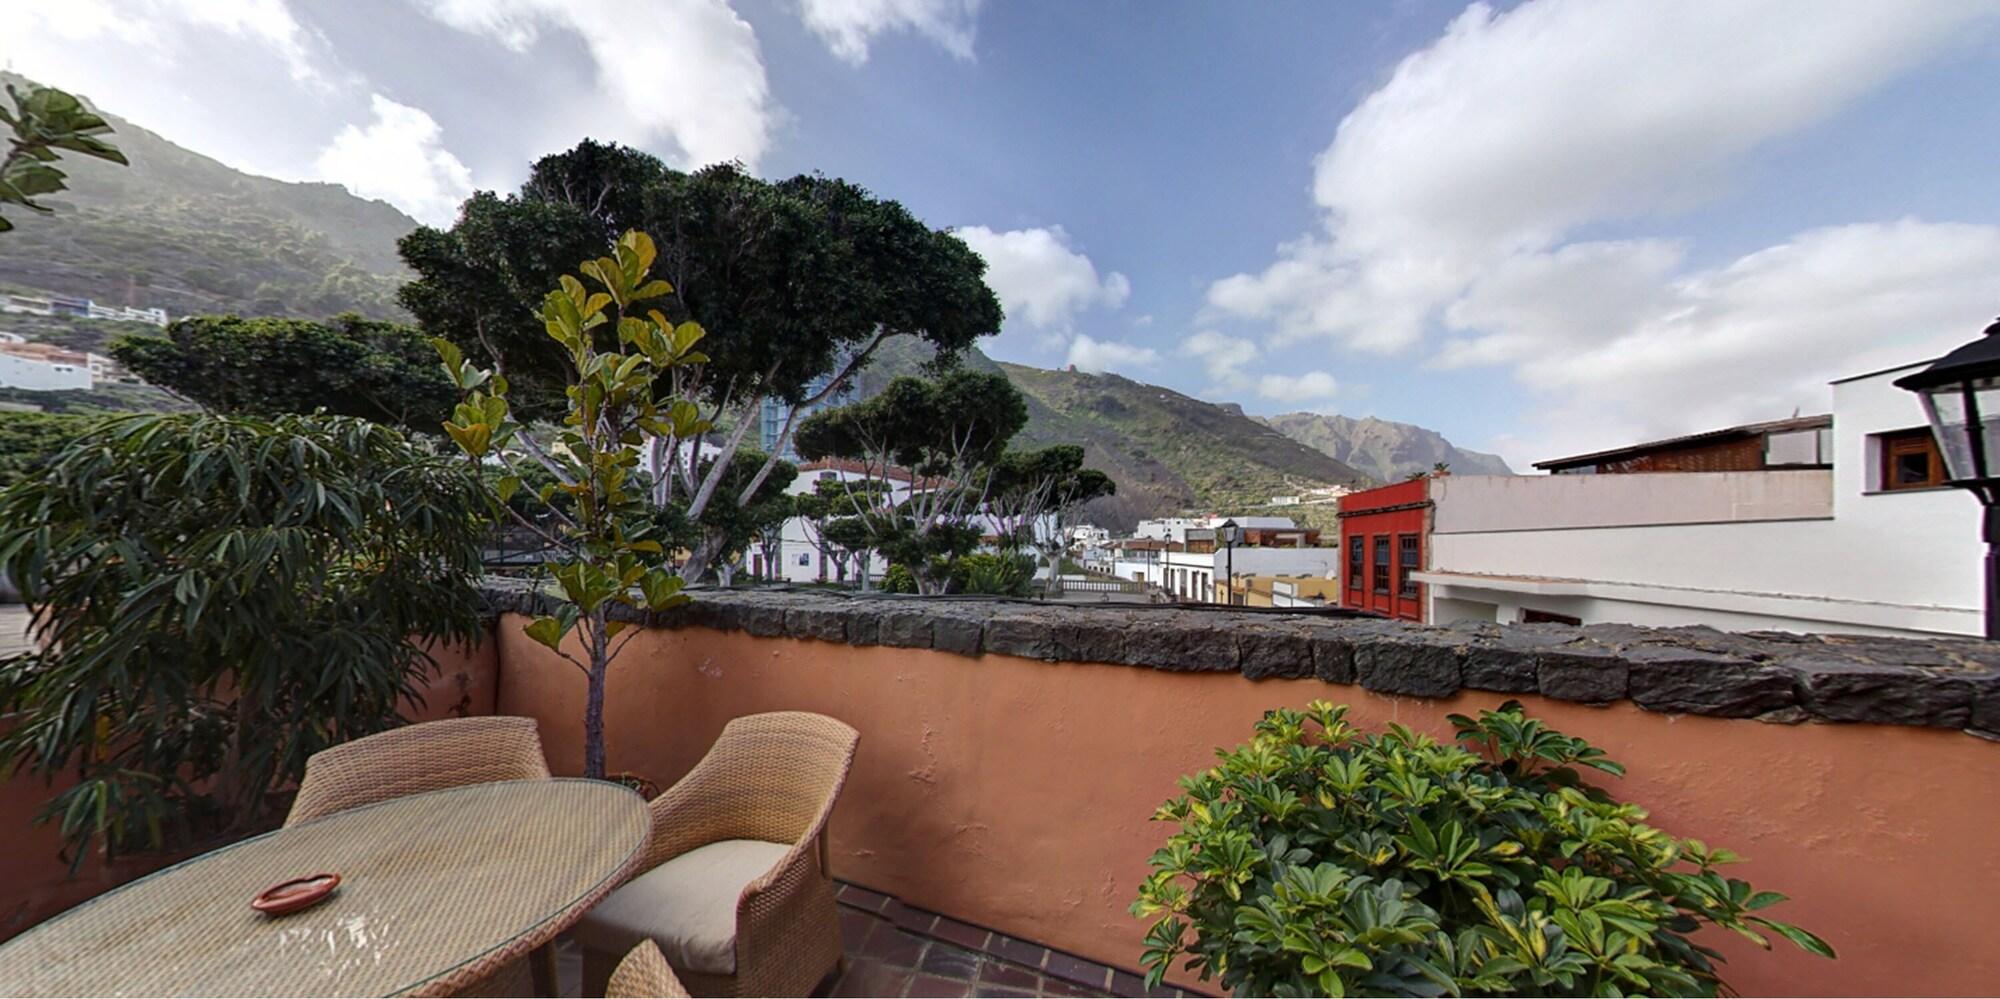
1321 860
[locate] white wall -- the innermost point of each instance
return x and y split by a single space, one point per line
41 376
1882 562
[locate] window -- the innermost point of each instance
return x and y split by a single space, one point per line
1406 563
1354 562
828 475
805 558
1910 460
1381 563
1531 616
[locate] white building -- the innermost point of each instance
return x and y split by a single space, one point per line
39 367
799 560
80 307
1874 544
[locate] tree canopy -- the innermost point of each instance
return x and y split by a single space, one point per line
793 280
348 366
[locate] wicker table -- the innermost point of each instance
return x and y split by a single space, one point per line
438 891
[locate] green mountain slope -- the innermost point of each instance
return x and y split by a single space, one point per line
186 233
1168 452
1386 450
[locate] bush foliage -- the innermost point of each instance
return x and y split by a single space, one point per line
217 599
1317 859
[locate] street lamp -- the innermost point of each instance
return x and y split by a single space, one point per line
1228 531
1961 397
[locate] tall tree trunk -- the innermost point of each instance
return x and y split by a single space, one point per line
702 554
593 705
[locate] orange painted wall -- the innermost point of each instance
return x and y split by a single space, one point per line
1015 793
35 884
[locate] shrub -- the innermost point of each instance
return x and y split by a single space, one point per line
221 597
993 575
898 579
1319 860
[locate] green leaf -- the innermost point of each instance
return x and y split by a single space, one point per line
546 630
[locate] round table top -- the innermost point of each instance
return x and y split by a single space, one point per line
430 883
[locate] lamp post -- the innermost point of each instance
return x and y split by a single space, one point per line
1961 397
1228 531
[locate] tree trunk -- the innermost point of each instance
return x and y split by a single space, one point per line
703 553
593 705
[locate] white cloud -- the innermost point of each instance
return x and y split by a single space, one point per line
1516 128
1098 356
1313 386
400 158
847 25
689 72
1752 340
1222 357
1043 283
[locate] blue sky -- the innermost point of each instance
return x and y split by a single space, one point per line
1538 227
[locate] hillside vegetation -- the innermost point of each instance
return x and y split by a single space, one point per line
182 231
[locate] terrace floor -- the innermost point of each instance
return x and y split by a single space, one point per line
899 950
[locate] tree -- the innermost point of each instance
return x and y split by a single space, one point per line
348 366
28 441
795 281
217 598
832 519
44 120
1037 496
763 516
948 434
604 537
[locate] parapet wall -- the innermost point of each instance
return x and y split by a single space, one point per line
1771 676
1012 755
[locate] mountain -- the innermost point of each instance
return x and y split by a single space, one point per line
1387 451
1168 452
184 232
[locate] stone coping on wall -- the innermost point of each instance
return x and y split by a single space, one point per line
1771 676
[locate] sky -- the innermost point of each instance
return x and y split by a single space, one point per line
1539 228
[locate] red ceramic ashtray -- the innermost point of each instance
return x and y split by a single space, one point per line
291 896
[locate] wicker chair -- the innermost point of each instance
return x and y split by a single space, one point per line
428 756
644 973
735 887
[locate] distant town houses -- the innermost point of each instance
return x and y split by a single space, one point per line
44 367
1188 559
80 308
1830 523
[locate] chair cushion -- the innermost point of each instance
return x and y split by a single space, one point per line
687 905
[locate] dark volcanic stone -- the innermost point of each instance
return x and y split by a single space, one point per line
907 625
1852 690
864 623
958 630
1665 678
1274 648
762 617
1581 673
1028 632
1333 654
1985 705
1193 642
826 624
1092 636
1408 664
1503 666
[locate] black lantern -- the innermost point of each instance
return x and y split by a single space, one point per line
1229 532
1961 397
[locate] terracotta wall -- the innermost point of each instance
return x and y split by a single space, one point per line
35 884
1015 793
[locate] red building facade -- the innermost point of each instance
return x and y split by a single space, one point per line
1384 534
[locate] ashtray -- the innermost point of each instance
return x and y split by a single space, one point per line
290 896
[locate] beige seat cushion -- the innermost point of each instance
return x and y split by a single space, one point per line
687 905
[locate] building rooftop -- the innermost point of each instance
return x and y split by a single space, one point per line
1745 431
